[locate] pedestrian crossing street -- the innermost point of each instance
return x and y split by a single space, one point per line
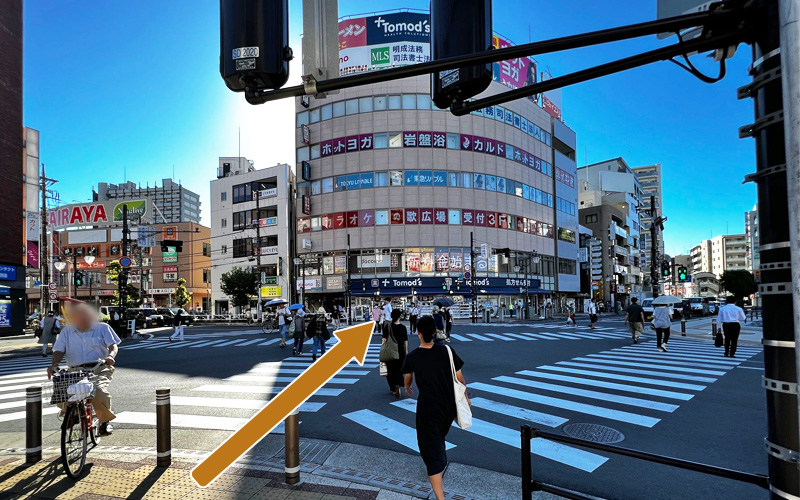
254 338
229 403
547 331
629 387
16 375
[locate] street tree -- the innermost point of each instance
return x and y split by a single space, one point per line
239 284
182 296
113 272
740 283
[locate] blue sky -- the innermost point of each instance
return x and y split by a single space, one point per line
132 89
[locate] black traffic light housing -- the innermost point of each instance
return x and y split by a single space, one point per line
254 44
444 285
78 278
683 274
460 28
665 269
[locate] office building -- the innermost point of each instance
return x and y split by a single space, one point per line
405 184
752 250
12 172
608 197
251 210
171 201
649 177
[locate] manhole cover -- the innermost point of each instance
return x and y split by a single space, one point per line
593 432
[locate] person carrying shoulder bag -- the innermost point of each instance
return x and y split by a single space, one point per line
51 327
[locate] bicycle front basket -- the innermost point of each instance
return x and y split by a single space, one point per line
63 381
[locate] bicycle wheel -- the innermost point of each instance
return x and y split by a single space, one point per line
73 441
94 428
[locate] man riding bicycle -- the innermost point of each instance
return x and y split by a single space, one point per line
85 341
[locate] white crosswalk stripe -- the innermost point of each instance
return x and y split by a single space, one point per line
16 375
635 387
241 395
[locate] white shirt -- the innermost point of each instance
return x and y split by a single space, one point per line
387 311
661 317
414 311
731 313
592 309
85 347
281 318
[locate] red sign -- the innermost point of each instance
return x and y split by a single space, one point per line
353 33
327 222
340 220
303 225
170 233
467 218
426 216
440 216
352 219
97 264
397 217
366 218
480 218
550 107
306 205
170 269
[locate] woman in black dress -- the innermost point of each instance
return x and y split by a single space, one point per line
436 405
394 369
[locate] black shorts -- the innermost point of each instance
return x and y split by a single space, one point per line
593 318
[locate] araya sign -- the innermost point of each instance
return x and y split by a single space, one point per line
78 215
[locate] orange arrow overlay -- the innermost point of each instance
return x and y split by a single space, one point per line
353 343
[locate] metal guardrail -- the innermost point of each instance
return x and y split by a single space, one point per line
529 485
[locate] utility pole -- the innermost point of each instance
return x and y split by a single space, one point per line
257 246
122 282
473 268
775 65
349 294
141 276
44 248
654 264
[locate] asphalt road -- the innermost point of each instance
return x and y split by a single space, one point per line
690 403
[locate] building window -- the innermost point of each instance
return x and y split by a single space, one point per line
224 223
380 141
566 266
224 249
395 102
206 275
242 247
351 107
338 109
223 196
590 219
379 103
242 193
327 112
206 249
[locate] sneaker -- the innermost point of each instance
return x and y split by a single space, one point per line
635 341
313 357
663 348
105 429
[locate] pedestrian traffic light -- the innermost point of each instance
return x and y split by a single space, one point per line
78 278
444 285
254 44
460 28
683 274
665 269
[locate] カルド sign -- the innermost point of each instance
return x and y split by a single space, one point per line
95 214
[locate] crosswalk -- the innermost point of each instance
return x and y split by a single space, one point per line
229 403
626 388
547 331
16 375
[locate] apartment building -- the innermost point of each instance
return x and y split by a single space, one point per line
250 212
171 201
719 254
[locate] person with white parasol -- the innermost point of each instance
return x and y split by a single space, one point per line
662 319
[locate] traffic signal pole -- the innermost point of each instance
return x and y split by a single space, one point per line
774 65
655 266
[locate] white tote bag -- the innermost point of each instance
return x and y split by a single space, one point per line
463 411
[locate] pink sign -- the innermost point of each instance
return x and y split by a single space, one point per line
33 254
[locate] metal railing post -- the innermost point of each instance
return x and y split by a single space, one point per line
525 445
683 327
163 428
33 424
292 448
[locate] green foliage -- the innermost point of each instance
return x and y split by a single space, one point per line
740 283
182 296
239 285
113 272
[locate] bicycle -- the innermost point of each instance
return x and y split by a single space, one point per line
269 324
74 389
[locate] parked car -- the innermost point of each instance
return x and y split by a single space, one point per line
138 315
713 307
151 316
647 307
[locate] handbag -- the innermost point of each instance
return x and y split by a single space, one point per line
440 335
384 370
718 342
463 411
389 349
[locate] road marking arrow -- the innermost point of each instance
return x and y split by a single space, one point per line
353 343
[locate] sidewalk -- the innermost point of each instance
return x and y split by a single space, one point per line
751 334
344 472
